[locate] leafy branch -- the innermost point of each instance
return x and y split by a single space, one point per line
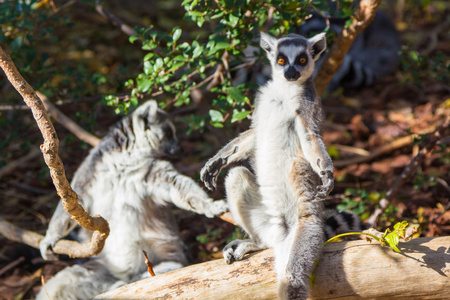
181 70
388 238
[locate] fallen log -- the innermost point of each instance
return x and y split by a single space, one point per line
347 270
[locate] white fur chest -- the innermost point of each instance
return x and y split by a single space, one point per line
120 197
275 126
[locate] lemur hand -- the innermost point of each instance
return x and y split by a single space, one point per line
210 171
215 208
327 185
45 246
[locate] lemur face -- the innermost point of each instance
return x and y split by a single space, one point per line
293 56
154 130
164 134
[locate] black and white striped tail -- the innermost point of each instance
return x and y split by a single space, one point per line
342 222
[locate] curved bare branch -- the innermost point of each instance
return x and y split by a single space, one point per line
49 150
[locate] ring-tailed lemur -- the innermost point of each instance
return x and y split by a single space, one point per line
279 203
127 180
373 54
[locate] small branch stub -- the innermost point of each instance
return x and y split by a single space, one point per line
149 264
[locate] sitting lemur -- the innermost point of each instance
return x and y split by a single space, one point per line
128 180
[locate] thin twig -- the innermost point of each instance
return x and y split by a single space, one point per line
396 144
60 102
62 7
149 264
115 20
10 167
216 77
45 288
354 150
11 265
225 58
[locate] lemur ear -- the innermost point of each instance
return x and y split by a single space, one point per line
317 44
268 43
148 111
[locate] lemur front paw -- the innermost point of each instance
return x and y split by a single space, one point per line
216 208
210 171
234 251
327 185
237 249
45 247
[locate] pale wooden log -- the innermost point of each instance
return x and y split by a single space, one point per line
347 270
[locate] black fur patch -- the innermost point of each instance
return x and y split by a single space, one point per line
348 217
309 91
351 220
293 39
149 172
332 223
285 225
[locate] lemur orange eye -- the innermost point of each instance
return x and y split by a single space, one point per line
302 60
281 61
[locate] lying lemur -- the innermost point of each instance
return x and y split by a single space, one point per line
127 180
279 203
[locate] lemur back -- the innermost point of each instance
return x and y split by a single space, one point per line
279 204
129 181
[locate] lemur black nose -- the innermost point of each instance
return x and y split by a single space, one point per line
291 74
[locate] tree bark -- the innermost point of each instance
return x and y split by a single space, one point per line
49 150
347 270
343 42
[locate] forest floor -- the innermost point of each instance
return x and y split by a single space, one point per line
362 131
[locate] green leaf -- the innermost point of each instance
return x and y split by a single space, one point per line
159 63
148 46
236 94
239 115
176 66
222 45
179 58
176 34
333 151
218 15
144 85
134 101
148 67
149 56
233 20
392 240
133 38
197 51
217 124
215 115
200 22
